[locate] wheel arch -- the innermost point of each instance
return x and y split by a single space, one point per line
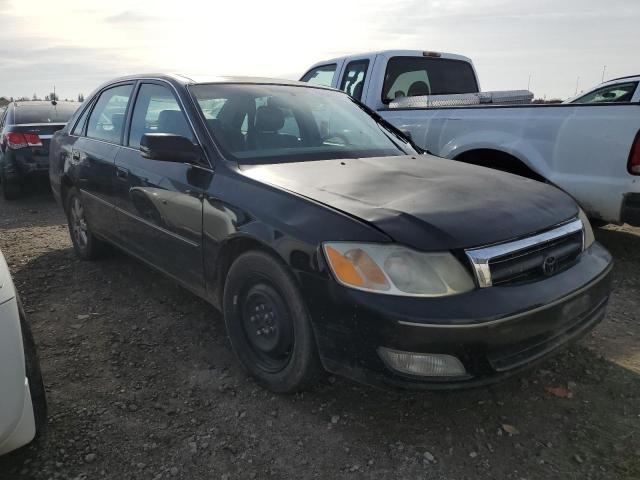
234 247
498 160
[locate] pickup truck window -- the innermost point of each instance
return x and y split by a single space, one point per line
320 75
276 124
619 93
353 78
412 76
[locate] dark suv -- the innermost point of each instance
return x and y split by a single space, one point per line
325 237
27 128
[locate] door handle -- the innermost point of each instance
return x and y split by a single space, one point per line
122 173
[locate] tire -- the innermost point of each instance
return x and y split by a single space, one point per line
260 295
34 375
86 245
10 188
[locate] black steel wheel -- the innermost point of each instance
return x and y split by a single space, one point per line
268 324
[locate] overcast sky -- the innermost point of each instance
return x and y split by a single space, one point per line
78 44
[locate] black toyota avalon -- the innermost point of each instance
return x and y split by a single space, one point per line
327 239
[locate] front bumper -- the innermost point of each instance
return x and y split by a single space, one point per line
495 332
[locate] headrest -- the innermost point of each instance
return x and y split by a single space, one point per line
172 121
117 120
418 88
269 119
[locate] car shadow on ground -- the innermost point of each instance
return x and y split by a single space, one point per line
31 209
129 354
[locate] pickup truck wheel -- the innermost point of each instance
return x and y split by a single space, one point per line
86 245
10 188
34 375
268 324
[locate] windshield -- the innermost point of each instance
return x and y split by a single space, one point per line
273 124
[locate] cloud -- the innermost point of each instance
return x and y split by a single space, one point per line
130 16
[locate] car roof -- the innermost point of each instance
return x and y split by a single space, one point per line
41 103
194 79
398 53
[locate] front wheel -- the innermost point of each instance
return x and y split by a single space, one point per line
86 245
268 324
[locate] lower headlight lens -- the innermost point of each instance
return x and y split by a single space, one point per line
587 231
397 270
423 364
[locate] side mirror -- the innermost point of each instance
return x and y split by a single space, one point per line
167 147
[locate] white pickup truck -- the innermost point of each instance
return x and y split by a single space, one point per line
589 147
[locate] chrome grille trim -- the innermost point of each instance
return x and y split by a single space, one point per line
480 257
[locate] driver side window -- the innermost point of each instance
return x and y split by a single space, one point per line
157 111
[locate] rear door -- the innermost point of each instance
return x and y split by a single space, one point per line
93 156
160 203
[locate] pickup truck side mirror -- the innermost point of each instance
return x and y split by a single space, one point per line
167 147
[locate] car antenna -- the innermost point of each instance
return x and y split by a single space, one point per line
53 99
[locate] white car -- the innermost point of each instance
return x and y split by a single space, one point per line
22 396
618 90
590 147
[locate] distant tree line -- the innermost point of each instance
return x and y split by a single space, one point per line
4 101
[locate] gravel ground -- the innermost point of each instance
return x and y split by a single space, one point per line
142 384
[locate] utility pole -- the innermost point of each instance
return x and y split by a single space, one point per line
577 81
603 70
529 83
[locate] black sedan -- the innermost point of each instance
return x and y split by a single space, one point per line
327 239
27 128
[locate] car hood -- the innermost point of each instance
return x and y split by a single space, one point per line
426 202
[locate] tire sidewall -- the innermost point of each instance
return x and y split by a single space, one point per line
88 252
303 367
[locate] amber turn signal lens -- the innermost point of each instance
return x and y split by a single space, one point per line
357 268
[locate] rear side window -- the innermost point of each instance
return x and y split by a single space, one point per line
157 111
107 118
620 93
412 76
321 75
353 78
79 128
60 113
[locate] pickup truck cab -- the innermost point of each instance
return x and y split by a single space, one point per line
590 149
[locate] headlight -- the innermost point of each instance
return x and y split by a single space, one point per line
587 232
396 270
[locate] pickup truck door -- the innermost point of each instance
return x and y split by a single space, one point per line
160 203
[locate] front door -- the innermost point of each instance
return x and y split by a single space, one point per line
159 204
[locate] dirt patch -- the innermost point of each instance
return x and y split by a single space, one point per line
142 384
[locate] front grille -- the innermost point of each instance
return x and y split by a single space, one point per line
527 265
529 258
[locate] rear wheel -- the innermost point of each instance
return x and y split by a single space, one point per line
85 243
268 324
